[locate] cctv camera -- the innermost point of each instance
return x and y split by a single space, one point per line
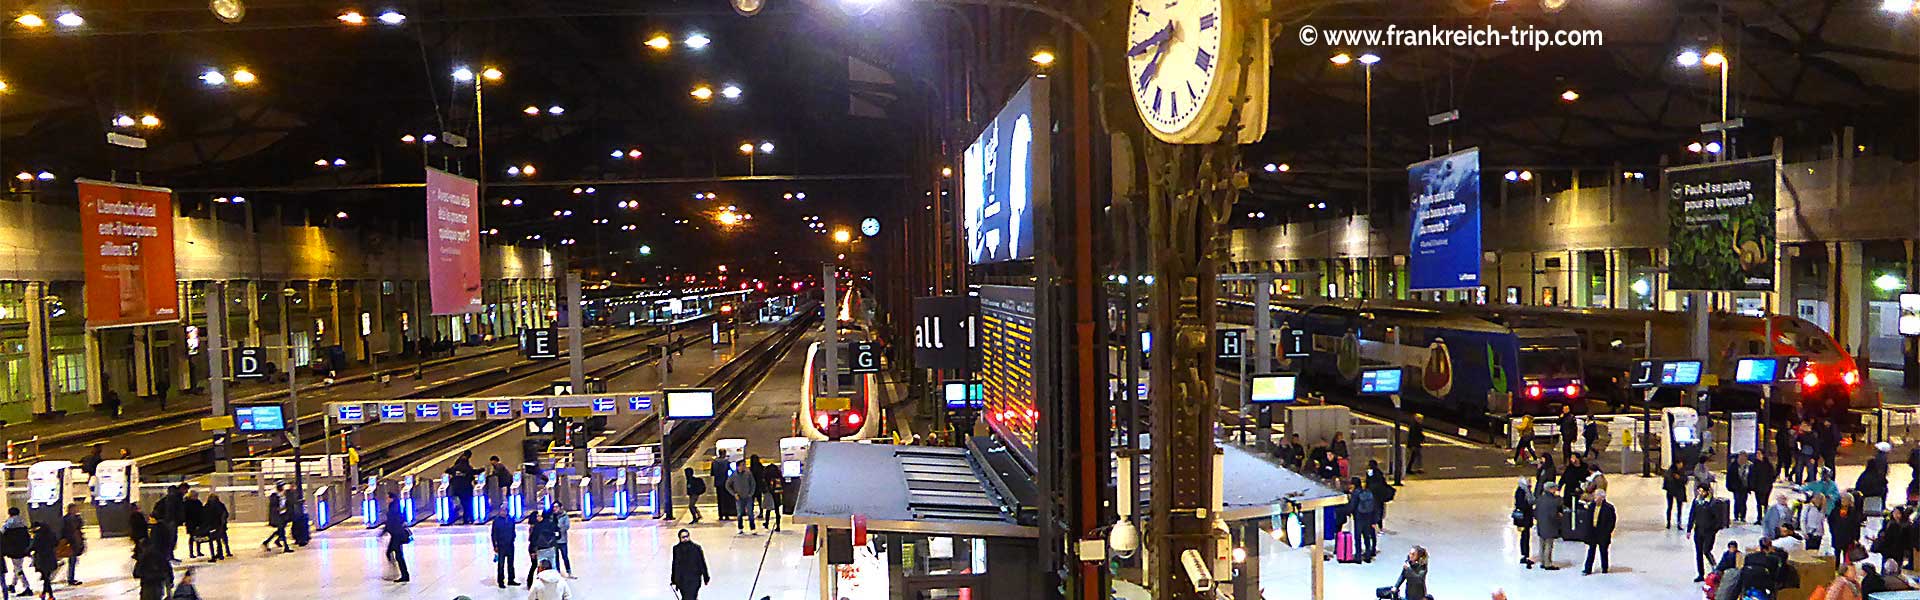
1197 571
1124 539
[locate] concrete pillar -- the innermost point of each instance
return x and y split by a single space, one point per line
96 371
1577 280
143 361
252 302
334 325
1619 279
38 387
1850 306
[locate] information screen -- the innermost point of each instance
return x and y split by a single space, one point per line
1680 373
964 394
1003 176
1006 353
1275 387
261 417
1380 382
1756 371
690 404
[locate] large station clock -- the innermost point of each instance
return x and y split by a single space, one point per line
1183 61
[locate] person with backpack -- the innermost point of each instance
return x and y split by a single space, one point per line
16 543
770 505
1366 520
394 527
1704 523
1523 518
696 487
1546 524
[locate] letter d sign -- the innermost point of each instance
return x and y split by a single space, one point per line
247 363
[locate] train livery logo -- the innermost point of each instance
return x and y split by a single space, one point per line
1348 356
1437 374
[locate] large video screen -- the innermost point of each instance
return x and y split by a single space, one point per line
1006 353
1004 175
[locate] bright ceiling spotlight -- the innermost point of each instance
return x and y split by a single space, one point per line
123 121
24 176
1042 58
1513 176
531 110
1687 58
44 176
213 77
1713 147
1526 175
429 138
1695 147
746 148
1714 59
149 120
556 110
618 154
702 93
392 17
1369 59
697 41
634 153
352 17
730 92
243 76
492 74
339 162
462 74
659 41
1271 168
1341 59
69 20
30 21
1569 95
407 139
766 147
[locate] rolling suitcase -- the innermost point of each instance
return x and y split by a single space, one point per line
1343 550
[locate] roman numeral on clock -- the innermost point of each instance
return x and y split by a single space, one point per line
1207 21
1203 60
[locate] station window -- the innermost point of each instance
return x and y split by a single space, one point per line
13 301
69 367
14 372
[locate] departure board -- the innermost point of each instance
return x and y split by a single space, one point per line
1006 349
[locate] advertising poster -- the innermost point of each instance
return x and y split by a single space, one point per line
1003 173
1445 244
1720 226
453 243
127 234
1006 354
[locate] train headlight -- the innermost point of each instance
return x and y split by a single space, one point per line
1573 390
1851 377
1810 380
853 419
1533 391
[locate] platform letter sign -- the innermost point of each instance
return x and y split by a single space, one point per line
1445 242
1645 374
1295 343
943 332
866 358
453 243
1229 344
126 232
542 343
1720 229
1790 368
248 363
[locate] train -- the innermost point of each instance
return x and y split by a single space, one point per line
855 414
1472 359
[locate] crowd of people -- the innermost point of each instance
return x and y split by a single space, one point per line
749 492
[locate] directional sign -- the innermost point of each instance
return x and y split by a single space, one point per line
499 409
639 404
1295 343
605 406
350 413
943 332
393 412
426 411
1645 374
540 343
866 358
1791 368
1229 344
463 410
248 363
1756 370
533 409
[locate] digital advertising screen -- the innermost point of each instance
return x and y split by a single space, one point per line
690 404
1720 229
260 418
1756 371
1680 373
1006 354
964 394
1003 175
1380 382
1275 387
1445 240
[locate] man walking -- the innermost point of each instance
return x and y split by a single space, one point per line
689 568
277 519
696 487
1703 524
741 484
1569 427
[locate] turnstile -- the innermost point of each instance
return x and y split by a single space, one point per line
327 502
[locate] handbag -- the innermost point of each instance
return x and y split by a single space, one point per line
64 550
1855 553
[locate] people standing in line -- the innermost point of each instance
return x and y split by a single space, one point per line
1599 536
1703 525
1737 471
277 519
1416 439
1546 524
770 504
502 533
460 478
689 570
1412 584
1760 477
1366 520
73 533
741 484
216 515
46 557
547 584
394 528
190 511
696 487
1674 481
562 528
16 544
1523 518
1569 427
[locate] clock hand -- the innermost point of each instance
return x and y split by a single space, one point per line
1158 38
1153 66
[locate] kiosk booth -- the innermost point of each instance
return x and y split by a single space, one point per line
1680 439
47 490
114 482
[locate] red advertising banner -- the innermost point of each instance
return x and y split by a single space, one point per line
127 233
453 243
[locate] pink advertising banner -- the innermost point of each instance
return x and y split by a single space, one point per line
453 243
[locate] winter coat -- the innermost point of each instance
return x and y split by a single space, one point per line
215 516
741 484
1812 521
1776 515
194 512
561 523
276 510
460 477
1377 483
689 570
1574 477
1873 480
16 540
1366 508
1414 577
73 529
1737 476
549 585
503 533
696 487
1760 476
1546 517
1600 531
1703 520
46 549
152 564
1845 525
137 527
1522 508
1825 488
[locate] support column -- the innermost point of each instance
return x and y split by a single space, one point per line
96 371
1619 279
1849 307
252 303
38 385
1263 353
1578 284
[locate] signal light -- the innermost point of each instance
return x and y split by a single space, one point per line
1810 380
1573 391
1533 391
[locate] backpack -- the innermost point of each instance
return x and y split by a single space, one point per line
696 486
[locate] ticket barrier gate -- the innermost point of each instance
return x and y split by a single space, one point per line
329 502
516 499
416 499
593 493
410 494
371 491
482 499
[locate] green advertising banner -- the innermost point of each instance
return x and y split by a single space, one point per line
1720 226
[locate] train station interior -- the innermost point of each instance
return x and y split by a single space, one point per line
960 299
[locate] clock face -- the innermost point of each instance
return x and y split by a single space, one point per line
230 11
1173 57
870 227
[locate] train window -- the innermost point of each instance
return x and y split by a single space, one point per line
1754 349
1549 361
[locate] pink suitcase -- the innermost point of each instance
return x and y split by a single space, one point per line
1343 547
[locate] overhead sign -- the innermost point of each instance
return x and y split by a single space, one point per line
533 409
255 418
1295 343
453 243
499 409
866 357
1645 374
249 363
126 233
1275 388
1679 373
689 403
393 412
427 411
605 406
1444 249
351 413
1790 368
639 404
1377 381
944 332
1003 174
463 410
540 343
1229 344
1756 370
1910 314
1720 229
